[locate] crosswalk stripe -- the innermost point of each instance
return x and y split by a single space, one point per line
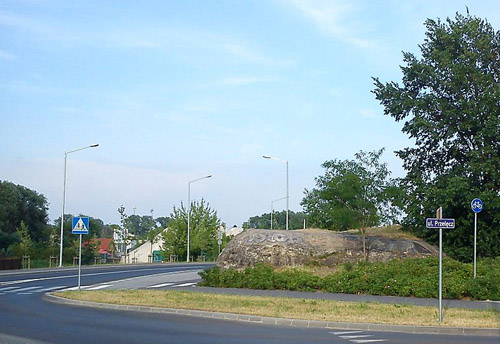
51 288
99 287
7 288
357 336
184 284
345 332
160 285
23 289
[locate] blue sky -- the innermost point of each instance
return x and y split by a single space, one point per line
175 90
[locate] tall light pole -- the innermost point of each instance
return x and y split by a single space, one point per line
287 193
272 209
64 198
189 209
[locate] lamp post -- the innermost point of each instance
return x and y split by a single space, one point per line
287 193
64 198
189 209
272 209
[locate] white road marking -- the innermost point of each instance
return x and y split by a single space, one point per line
51 288
99 287
361 341
184 285
8 288
160 285
97 274
23 289
357 336
345 332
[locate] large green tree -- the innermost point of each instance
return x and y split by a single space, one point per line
20 204
204 224
449 103
355 193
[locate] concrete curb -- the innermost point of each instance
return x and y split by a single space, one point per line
283 321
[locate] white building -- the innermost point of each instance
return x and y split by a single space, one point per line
143 253
233 231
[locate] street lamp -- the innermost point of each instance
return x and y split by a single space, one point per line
272 210
287 194
64 198
189 209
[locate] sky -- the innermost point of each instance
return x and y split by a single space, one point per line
173 91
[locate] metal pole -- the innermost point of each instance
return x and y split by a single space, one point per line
188 215
189 210
287 195
62 212
64 198
475 243
80 263
272 215
440 275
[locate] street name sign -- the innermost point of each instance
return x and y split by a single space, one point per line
440 223
80 225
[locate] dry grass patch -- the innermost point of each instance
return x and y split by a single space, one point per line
326 310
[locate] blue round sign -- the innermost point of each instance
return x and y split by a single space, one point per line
476 205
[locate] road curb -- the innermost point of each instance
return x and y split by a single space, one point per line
490 332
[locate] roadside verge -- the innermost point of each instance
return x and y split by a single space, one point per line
282 321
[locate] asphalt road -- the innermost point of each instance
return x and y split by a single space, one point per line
26 318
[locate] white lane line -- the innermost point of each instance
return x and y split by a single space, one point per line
357 336
361 341
160 285
184 284
104 273
50 289
8 288
345 332
99 287
23 289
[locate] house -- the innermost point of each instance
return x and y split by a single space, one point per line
106 249
145 253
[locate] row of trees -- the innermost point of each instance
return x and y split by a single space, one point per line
296 220
24 229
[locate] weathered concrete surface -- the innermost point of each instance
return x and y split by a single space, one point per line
299 247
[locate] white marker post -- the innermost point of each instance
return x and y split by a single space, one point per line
477 206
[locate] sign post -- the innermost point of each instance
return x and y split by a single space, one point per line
440 223
477 206
80 226
219 238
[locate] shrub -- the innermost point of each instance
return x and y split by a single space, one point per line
411 277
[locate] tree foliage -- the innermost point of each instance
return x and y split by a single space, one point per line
449 102
204 224
20 204
353 194
296 220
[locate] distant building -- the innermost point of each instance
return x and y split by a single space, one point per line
147 253
233 231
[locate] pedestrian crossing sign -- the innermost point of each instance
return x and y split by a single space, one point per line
80 225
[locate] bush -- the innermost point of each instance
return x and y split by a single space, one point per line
411 277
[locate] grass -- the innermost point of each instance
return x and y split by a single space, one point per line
325 310
390 232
